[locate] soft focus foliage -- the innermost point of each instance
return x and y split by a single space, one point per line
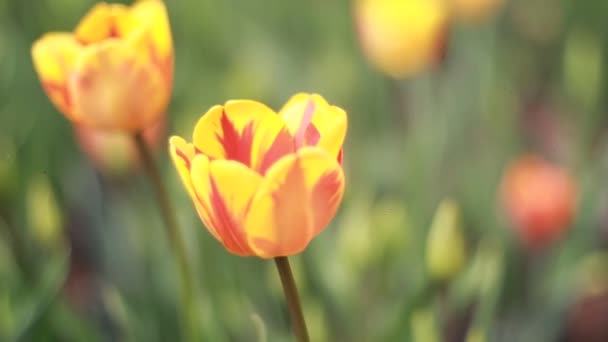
529 77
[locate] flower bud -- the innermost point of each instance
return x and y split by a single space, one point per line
44 218
401 37
445 249
539 199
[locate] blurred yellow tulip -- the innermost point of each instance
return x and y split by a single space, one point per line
115 71
265 184
402 37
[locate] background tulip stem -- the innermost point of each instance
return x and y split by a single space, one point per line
398 104
175 238
293 300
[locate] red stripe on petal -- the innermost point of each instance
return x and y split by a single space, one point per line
325 198
300 137
312 135
282 146
226 224
340 156
58 88
237 146
184 157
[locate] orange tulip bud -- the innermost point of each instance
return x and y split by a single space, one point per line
539 198
115 71
401 37
265 184
115 153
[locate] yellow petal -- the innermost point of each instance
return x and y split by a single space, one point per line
152 15
225 189
54 56
114 87
244 131
313 122
298 197
202 172
103 21
182 154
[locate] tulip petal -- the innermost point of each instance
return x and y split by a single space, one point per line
54 55
243 131
103 21
298 197
153 15
115 87
182 154
224 189
313 122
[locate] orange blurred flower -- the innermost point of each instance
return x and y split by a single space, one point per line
113 152
115 71
401 37
265 184
474 9
539 198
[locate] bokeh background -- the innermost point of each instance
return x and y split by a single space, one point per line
83 256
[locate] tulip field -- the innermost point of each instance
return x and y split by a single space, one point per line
355 170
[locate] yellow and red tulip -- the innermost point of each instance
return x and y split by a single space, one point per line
401 37
115 71
539 198
265 183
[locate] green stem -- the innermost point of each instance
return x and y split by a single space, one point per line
293 300
175 238
18 247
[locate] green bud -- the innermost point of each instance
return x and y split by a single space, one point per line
44 217
583 66
476 335
445 249
424 326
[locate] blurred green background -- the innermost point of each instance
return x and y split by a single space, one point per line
83 256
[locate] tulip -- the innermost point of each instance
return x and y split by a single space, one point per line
401 37
113 152
265 184
539 198
115 71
